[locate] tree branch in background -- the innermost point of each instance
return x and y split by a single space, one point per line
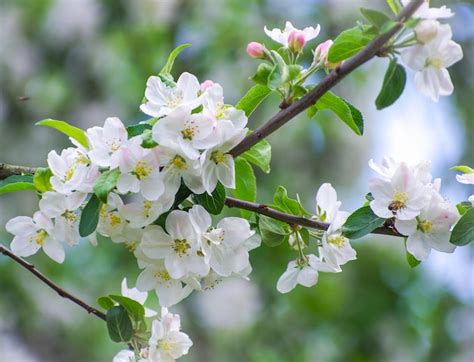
326 84
31 268
10 170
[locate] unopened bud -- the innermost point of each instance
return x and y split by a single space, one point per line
206 84
296 40
426 30
256 50
321 54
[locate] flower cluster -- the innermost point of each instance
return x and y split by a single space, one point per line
408 194
433 52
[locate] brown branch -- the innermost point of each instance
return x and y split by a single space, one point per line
326 84
10 170
31 268
293 219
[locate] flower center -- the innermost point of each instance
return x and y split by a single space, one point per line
399 200
220 113
70 216
69 173
337 240
163 275
175 99
131 245
40 237
146 208
435 62
181 247
425 226
179 163
115 219
218 157
142 170
165 345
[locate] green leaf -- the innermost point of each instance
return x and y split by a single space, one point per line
280 73
171 58
78 134
273 232
41 179
349 43
90 216
260 155
412 261
463 207
344 110
262 74
250 101
134 309
105 302
463 168
376 18
17 183
137 129
106 183
286 204
361 222
294 71
245 183
463 231
304 234
392 86
119 324
395 6
213 203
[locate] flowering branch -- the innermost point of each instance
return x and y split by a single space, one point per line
31 268
10 170
326 84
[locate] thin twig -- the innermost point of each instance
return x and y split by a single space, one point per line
31 268
326 84
10 170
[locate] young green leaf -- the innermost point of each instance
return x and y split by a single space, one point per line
395 6
260 155
273 232
280 73
286 204
463 168
105 302
41 179
90 216
119 324
463 207
344 110
376 18
137 129
463 231
262 74
392 86
250 101
213 203
134 309
17 183
106 183
349 43
245 183
171 58
361 222
412 261
76 133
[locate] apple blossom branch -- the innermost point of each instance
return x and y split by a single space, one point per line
31 268
288 113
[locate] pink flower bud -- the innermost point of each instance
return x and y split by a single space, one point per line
206 84
426 30
255 50
296 40
321 54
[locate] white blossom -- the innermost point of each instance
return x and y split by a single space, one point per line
425 12
282 36
125 355
143 212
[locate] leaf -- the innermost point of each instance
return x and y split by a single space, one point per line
348 43
262 74
280 73
78 134
395 6
361 222
90 216
392 86
376 18
105 302
463 207
171 58
286 204
260 155
119 324
463 168
17 183
463 231
41 179
213 203
273 232
134 309
412 261
106 183
137 129
254 96
344 110
245 183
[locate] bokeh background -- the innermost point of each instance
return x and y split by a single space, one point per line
84 60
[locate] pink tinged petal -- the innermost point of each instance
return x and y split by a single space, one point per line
311 33
418 246
21 226
288 280
53 249
24 246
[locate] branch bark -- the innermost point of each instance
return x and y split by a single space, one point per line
7 170
325 85
31 268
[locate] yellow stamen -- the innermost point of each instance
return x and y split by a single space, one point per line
337 240
425 226
40 237
163 275
179 163
181 246
142 170
218 157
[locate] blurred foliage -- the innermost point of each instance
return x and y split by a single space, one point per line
84 60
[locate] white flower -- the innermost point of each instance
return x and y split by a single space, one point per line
389 165
143 212
430 61
162 98
282 36
402 197
140 171
136 295
111 221
167 342
303 272
467 178
427 30
431 229
72 171
190 131
33 233
217 164
105 142
425 12
125 355
64 209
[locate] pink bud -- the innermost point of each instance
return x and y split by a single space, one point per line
206 84
256 50
321 54
296 40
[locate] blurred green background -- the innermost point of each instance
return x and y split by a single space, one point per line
84 60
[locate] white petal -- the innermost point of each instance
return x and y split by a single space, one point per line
53 249
418 247
288 280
